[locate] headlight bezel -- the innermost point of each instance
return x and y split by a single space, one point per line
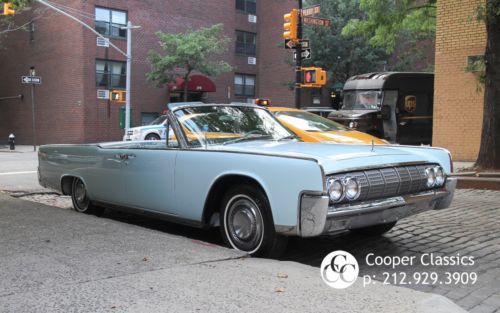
351 180
338 183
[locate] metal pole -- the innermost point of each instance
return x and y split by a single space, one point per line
298 60
129 70
33 114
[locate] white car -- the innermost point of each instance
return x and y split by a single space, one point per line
154 131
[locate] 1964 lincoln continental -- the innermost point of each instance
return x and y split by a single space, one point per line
235 166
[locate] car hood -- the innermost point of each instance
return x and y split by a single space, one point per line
346 136
335 157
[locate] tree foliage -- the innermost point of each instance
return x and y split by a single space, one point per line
7 23
187 52
387 20
343 57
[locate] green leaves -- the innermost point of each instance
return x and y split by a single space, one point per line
386 20
186 52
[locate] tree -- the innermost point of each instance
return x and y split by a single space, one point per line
386 21
187 52
489 151
344 57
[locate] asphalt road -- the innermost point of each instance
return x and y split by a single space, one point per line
56 260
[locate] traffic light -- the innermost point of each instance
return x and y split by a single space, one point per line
7 9
313 77
118 95
291 25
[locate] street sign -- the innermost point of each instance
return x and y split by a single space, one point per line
289 44
305 55
316 21
37 80
311 10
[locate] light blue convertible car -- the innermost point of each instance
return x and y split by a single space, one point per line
234 166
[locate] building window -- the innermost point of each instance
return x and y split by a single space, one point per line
110 74
246 43
244 85
109 22
247 6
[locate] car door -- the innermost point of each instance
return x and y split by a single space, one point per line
105 180
149 172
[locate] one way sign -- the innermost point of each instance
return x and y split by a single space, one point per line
305 54
31 80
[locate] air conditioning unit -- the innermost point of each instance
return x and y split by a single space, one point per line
252 18
252 60
101 42
102 94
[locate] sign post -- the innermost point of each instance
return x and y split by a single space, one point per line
32 80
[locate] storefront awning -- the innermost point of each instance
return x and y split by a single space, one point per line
197 83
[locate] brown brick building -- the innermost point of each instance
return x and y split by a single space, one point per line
73 67
458 105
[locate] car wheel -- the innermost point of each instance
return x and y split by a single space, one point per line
81 201
246 222
152 137
376 230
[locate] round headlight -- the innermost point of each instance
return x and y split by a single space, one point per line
353 124
438 170
431 177
352 188
335 190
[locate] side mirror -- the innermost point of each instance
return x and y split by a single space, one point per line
386 112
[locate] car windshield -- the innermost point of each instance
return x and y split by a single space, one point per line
220 124
362 100
308 121
159 120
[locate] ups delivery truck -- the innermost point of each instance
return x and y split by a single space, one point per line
396 106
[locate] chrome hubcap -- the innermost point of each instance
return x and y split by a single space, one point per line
244 222
81 196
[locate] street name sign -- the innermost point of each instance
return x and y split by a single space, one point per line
316 21
305 54
311 10
37 80
289 44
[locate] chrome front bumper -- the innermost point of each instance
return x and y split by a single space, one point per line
316 217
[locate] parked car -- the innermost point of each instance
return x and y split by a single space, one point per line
237 168
313 128
153 131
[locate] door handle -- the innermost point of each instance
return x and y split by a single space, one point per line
124 156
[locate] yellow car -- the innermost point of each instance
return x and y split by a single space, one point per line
313 128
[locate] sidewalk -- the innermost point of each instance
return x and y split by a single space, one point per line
18 148
59 260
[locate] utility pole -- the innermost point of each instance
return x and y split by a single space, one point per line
298 60
129 74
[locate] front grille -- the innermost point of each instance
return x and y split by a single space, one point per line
389 181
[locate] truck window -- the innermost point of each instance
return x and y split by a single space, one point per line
362 100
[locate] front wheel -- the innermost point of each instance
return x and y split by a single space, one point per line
152 137
375 230
81 201
246 222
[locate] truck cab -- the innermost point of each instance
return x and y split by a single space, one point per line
395 106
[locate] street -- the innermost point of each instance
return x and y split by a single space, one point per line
87 249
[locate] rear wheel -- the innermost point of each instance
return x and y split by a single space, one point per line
152 137
246 222
81 201
375 230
